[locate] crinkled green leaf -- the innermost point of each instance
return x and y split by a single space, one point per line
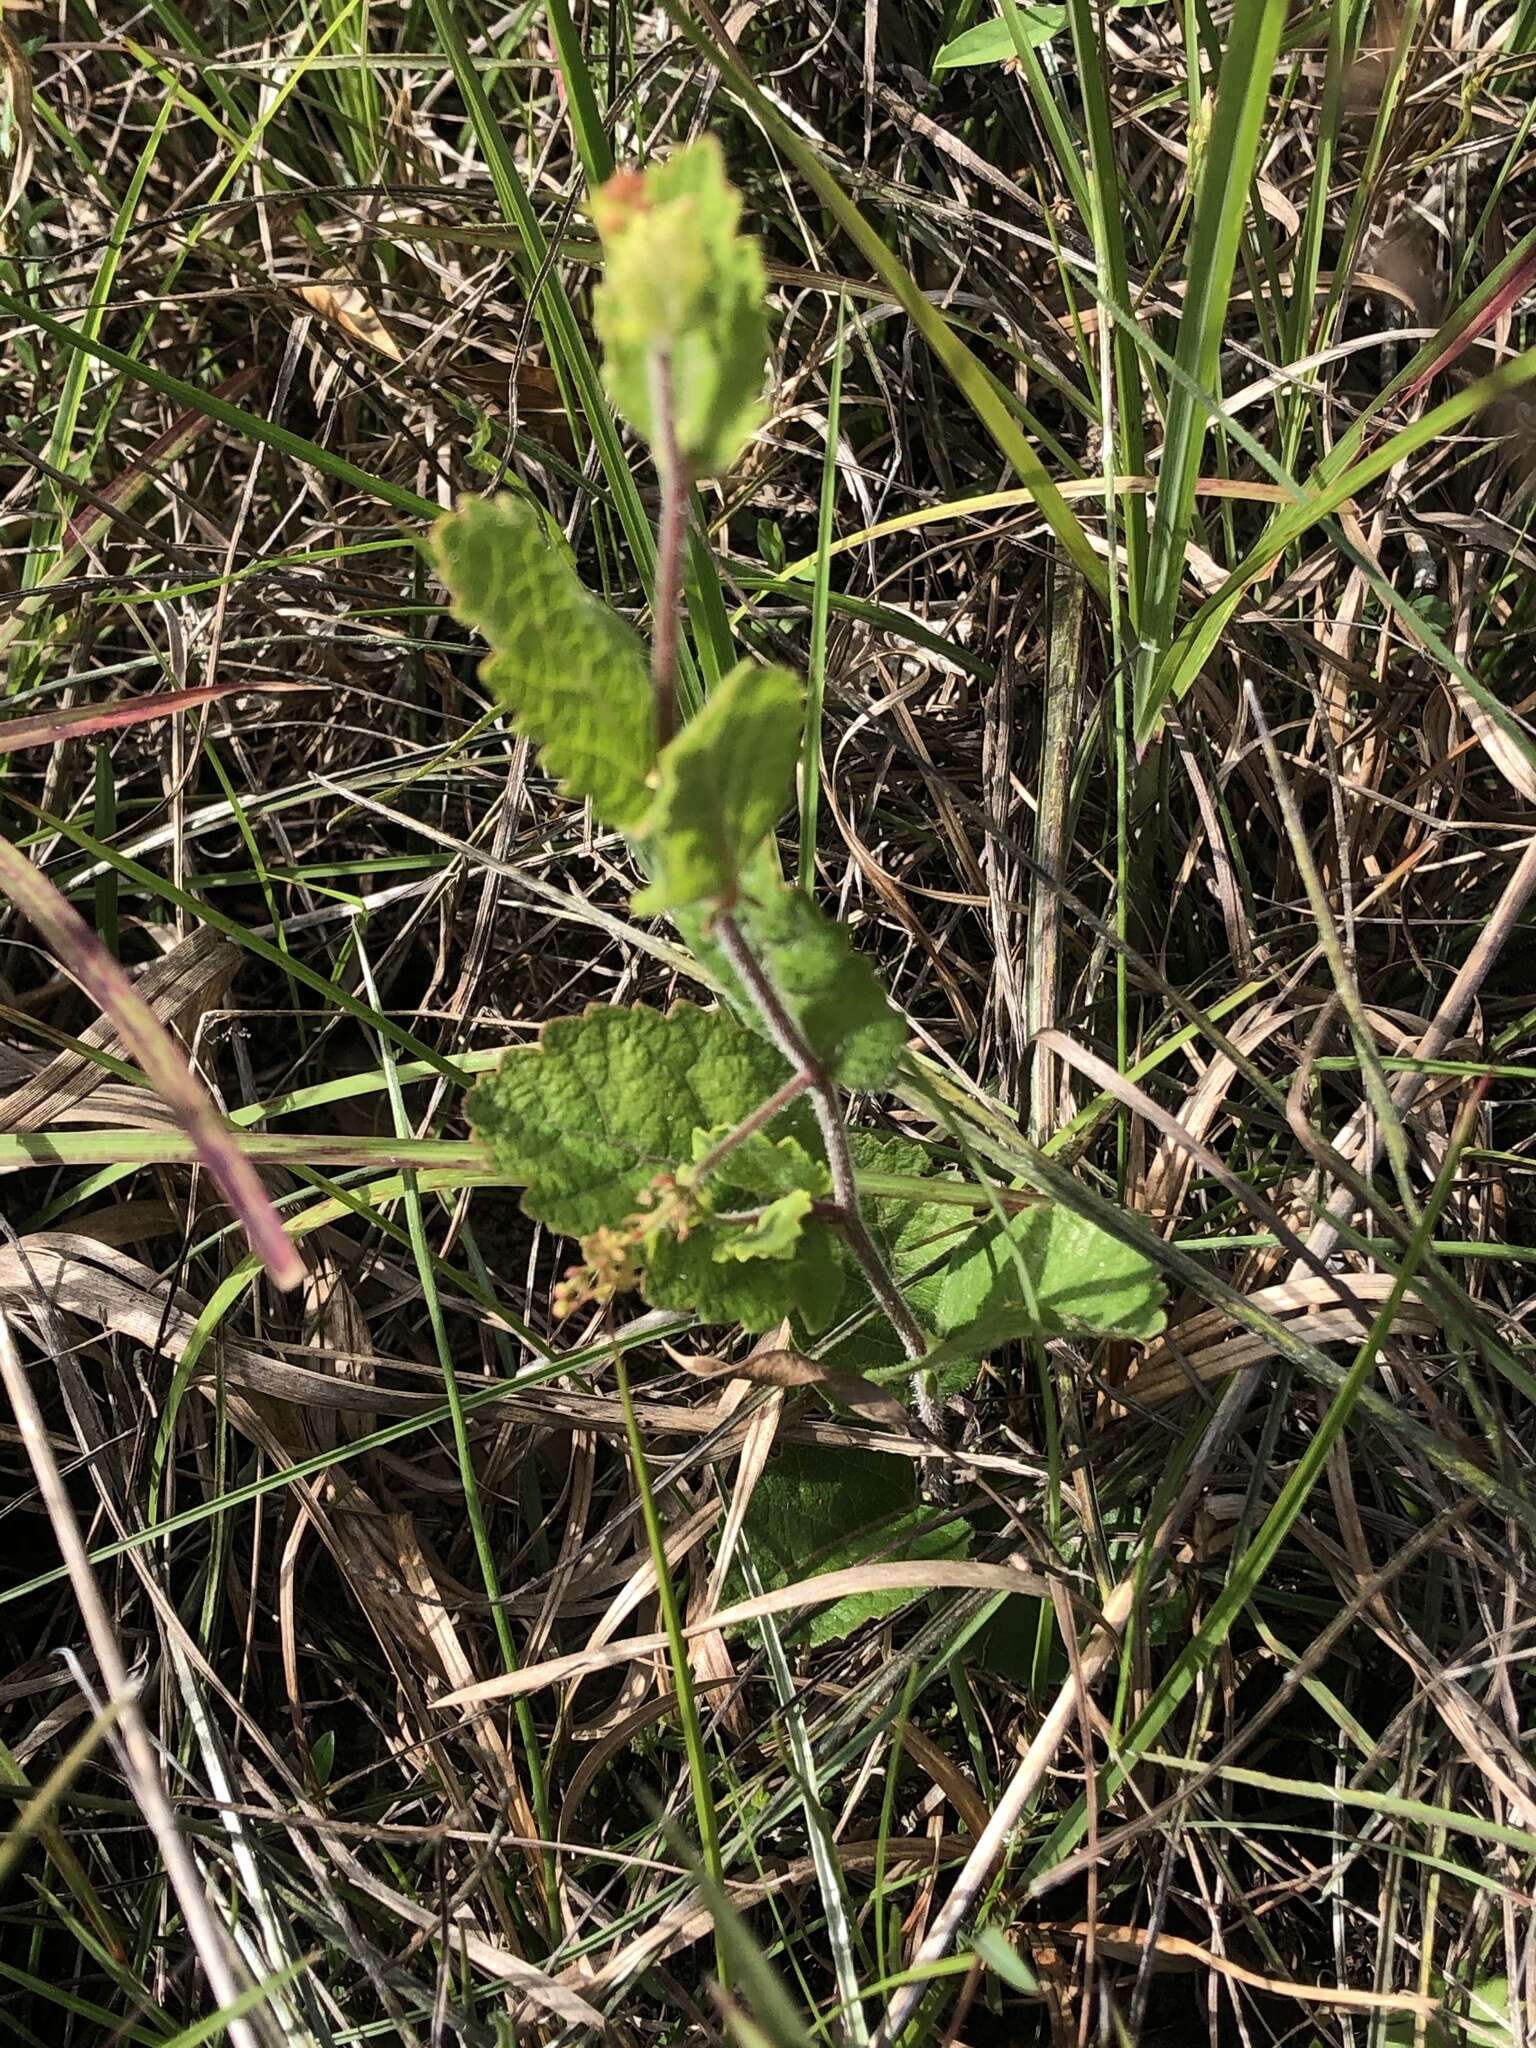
817 1510
681 281
721 784
990 42
1080 1277
774 1233
570 674
832 992
605 1102
761 1164
805 1276
699 1272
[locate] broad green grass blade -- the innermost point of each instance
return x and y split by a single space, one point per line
1226 180
592 142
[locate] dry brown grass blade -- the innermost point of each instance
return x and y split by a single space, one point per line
1166 1185
209 1938
539 1992
920 1576
1129 1944
501 1773
709 1653
19 118
639 1589
1206 1346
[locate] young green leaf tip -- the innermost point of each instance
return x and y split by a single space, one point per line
681 284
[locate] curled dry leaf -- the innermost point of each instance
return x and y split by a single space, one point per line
346 306
789 1368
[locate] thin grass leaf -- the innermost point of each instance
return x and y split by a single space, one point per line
252 426
980 389
1226 180
821 585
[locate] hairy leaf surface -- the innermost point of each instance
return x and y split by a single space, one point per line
721 784
569 672
682 283
832 991
605 1102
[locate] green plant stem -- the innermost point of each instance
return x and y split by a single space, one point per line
677 1644
781 1027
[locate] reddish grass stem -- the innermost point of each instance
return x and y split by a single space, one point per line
146 1039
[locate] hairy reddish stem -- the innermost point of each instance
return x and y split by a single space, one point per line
671 540
671 537
787 1036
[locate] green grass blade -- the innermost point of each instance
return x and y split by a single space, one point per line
979 387
250 425
1251 1568
816 674
677 1650
1230 161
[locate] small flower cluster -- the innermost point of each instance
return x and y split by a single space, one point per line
613 1260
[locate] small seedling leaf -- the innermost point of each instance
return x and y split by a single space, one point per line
683 287
721 784
990 42
774 1233
570 674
